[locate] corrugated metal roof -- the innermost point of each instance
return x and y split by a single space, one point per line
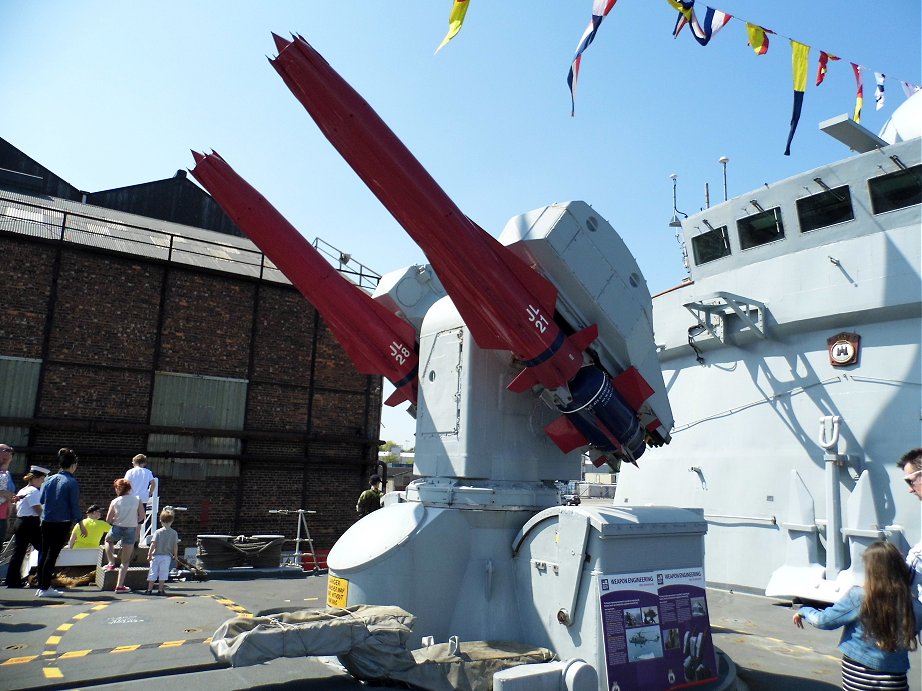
126 233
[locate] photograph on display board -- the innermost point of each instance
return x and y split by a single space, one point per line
656 629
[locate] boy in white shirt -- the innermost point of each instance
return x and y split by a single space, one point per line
143 482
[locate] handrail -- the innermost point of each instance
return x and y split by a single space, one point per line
256 263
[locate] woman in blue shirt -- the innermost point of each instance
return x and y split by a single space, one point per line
881 622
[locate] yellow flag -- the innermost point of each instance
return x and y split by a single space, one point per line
799 55
683 7
758 39
455 20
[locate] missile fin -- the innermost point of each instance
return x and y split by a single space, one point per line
632 387
565 434
582 338
407 392
523 381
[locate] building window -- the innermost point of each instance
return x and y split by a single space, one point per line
825 209
711 245
896 190
761 228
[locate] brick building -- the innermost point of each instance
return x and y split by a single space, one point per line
122 333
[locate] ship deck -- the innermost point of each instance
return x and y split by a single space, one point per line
95 639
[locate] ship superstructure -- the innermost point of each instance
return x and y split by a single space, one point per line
792 362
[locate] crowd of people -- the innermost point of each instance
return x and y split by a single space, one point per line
48 519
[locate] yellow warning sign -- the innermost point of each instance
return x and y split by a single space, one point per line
337 591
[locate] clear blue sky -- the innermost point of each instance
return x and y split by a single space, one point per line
109 94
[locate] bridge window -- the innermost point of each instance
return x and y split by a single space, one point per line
896 190
760 228
711 245
825 209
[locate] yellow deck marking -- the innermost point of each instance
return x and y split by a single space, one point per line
82 615
126 648
53 640
171 644
64 627
19 660
52 673
99 607
75 653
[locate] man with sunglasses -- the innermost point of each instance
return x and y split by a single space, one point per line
911 464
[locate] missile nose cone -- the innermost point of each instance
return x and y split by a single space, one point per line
280 43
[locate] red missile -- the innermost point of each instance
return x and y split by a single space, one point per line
504 302
376 340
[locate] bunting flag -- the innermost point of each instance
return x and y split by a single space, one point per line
680 22
821 71
910 89
879 89
455 20
714 21
859 97
600 10
758 38
799 55
684 8
703 31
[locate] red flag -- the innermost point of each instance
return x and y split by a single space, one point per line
859 97
821 71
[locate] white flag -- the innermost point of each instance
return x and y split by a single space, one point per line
879 91
910 89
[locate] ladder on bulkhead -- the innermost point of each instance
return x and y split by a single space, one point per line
152 517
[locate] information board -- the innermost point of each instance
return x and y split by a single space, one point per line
657 630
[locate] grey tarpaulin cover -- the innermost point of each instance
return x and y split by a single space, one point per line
468 666
375 630
370 641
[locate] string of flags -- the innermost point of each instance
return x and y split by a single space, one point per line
703 31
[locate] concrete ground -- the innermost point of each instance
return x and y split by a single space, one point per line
96 639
